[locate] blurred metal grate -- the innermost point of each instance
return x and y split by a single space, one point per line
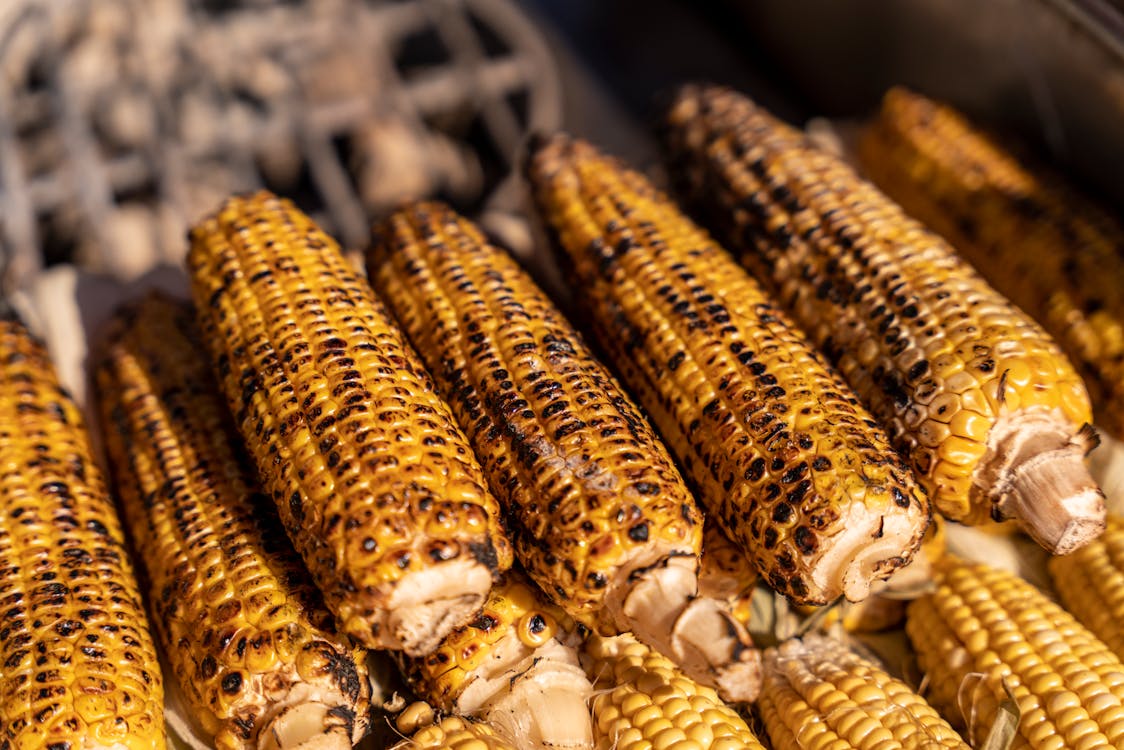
121 121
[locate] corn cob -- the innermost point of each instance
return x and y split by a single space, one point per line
450 733
645 703
600 516
1090 583
514 665
78 668
1055 255
987 410
818 694
726 574
784 457
374 482
983 629
242 628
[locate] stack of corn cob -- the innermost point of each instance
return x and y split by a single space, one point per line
348 469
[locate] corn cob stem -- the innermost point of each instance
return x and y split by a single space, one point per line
219 566
375 484
562 445
782 454
990 414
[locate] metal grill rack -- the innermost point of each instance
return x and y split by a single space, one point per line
121 121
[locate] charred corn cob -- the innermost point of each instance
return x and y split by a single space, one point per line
243 628
600 516
988 411
515 665
782 454
1090 583
984 631
1055 255
644 702
818 694
375 483
450 733
78 667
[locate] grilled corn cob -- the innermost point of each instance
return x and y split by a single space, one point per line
727 574
600 516
1090 583
78 667
987 410
646 703
1055 255
240 624
784 457
375 484
450 733
984 629
818 694
515 665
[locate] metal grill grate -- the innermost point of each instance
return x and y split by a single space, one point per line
121 121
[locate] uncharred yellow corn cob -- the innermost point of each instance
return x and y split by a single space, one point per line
645 703
988 411
515 665
241 625
984 629
600 516
1090 583
820 694
78 668
783 455
455 733
375 483
1054 254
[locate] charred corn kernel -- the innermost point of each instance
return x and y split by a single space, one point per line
984 627
78 667
1090 583
1054 254
820 694
973 391
456 733
375 483
784 457
601 517
645 703
218 565
727 574
514 665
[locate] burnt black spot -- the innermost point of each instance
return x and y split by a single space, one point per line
232 683
536 624
756 470
782 512
296 508
639 532
483 622
208 667
805 540
900 499
770 540
918 369
675 361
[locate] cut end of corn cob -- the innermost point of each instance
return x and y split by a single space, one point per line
972 390
375 483
819 693
783 455
564 448
514 665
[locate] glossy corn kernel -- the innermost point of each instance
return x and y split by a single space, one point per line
515 665
78 667
820 694
456 733
1056 255
990 414
782 454
1090 583
985 631
375 483
645 703
241 624
601 518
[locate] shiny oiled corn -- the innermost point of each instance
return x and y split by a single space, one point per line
515 665
1090 583
984 631
78 668
374 481
241 624
645 703
819 694
990 414
783 455
457 733
600 517
1054 254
